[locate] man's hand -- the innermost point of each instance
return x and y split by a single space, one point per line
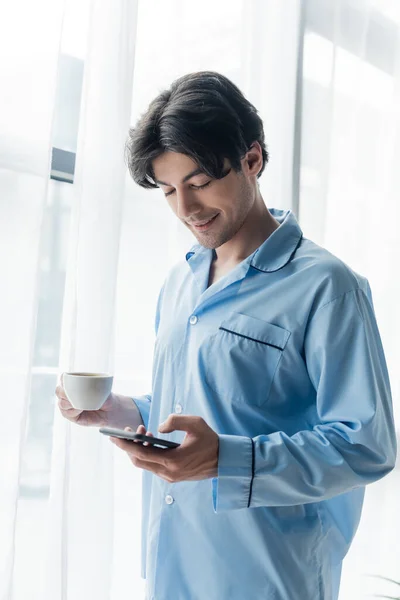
195 459
116 411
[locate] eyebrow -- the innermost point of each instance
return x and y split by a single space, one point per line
188 176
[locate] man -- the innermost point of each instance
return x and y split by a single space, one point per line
268 369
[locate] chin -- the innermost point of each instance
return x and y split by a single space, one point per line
213 242
208 244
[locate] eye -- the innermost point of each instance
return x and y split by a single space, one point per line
200 187
195 187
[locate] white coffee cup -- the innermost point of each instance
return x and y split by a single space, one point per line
87 391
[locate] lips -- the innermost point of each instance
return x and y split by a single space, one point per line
200 223
206 225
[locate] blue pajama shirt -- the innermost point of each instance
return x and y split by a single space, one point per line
283 359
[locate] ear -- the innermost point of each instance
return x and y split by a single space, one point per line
253 160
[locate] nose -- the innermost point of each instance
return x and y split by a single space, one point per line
186 204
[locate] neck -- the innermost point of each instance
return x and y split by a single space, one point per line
258 226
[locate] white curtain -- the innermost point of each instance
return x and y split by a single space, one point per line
349 203
70 502
83 511
29 48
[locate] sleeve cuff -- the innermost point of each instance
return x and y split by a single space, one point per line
231 489
143 404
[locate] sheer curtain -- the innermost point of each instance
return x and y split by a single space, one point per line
29 48
70 502
82 509
349 202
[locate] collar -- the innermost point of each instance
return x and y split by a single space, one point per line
277 250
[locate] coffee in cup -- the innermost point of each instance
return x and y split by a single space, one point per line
87 391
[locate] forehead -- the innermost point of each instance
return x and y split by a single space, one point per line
172 164
172 167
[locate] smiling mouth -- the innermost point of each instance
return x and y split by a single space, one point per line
200 223
205 225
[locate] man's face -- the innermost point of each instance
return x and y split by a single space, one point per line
229 199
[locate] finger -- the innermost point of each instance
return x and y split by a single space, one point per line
65 404
149 434
60 392
152 455
152 467
141 429
192 424
131 430
70 412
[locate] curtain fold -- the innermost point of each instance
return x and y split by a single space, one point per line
81 505
271 42
29 50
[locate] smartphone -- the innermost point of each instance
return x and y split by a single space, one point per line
130 435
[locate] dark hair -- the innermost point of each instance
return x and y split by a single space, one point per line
203 115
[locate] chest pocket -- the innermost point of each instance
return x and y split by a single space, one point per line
243 356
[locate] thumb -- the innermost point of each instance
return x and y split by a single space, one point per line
188 423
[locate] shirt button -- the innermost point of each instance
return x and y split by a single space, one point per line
193 320
178 408
169 499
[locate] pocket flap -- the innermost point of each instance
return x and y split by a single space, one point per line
257 330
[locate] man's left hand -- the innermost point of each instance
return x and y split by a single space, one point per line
195 459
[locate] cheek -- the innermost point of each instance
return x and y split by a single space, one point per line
221 202
228 207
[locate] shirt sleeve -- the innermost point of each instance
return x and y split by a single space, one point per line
143 403
354 440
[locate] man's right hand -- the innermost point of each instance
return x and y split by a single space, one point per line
117 411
